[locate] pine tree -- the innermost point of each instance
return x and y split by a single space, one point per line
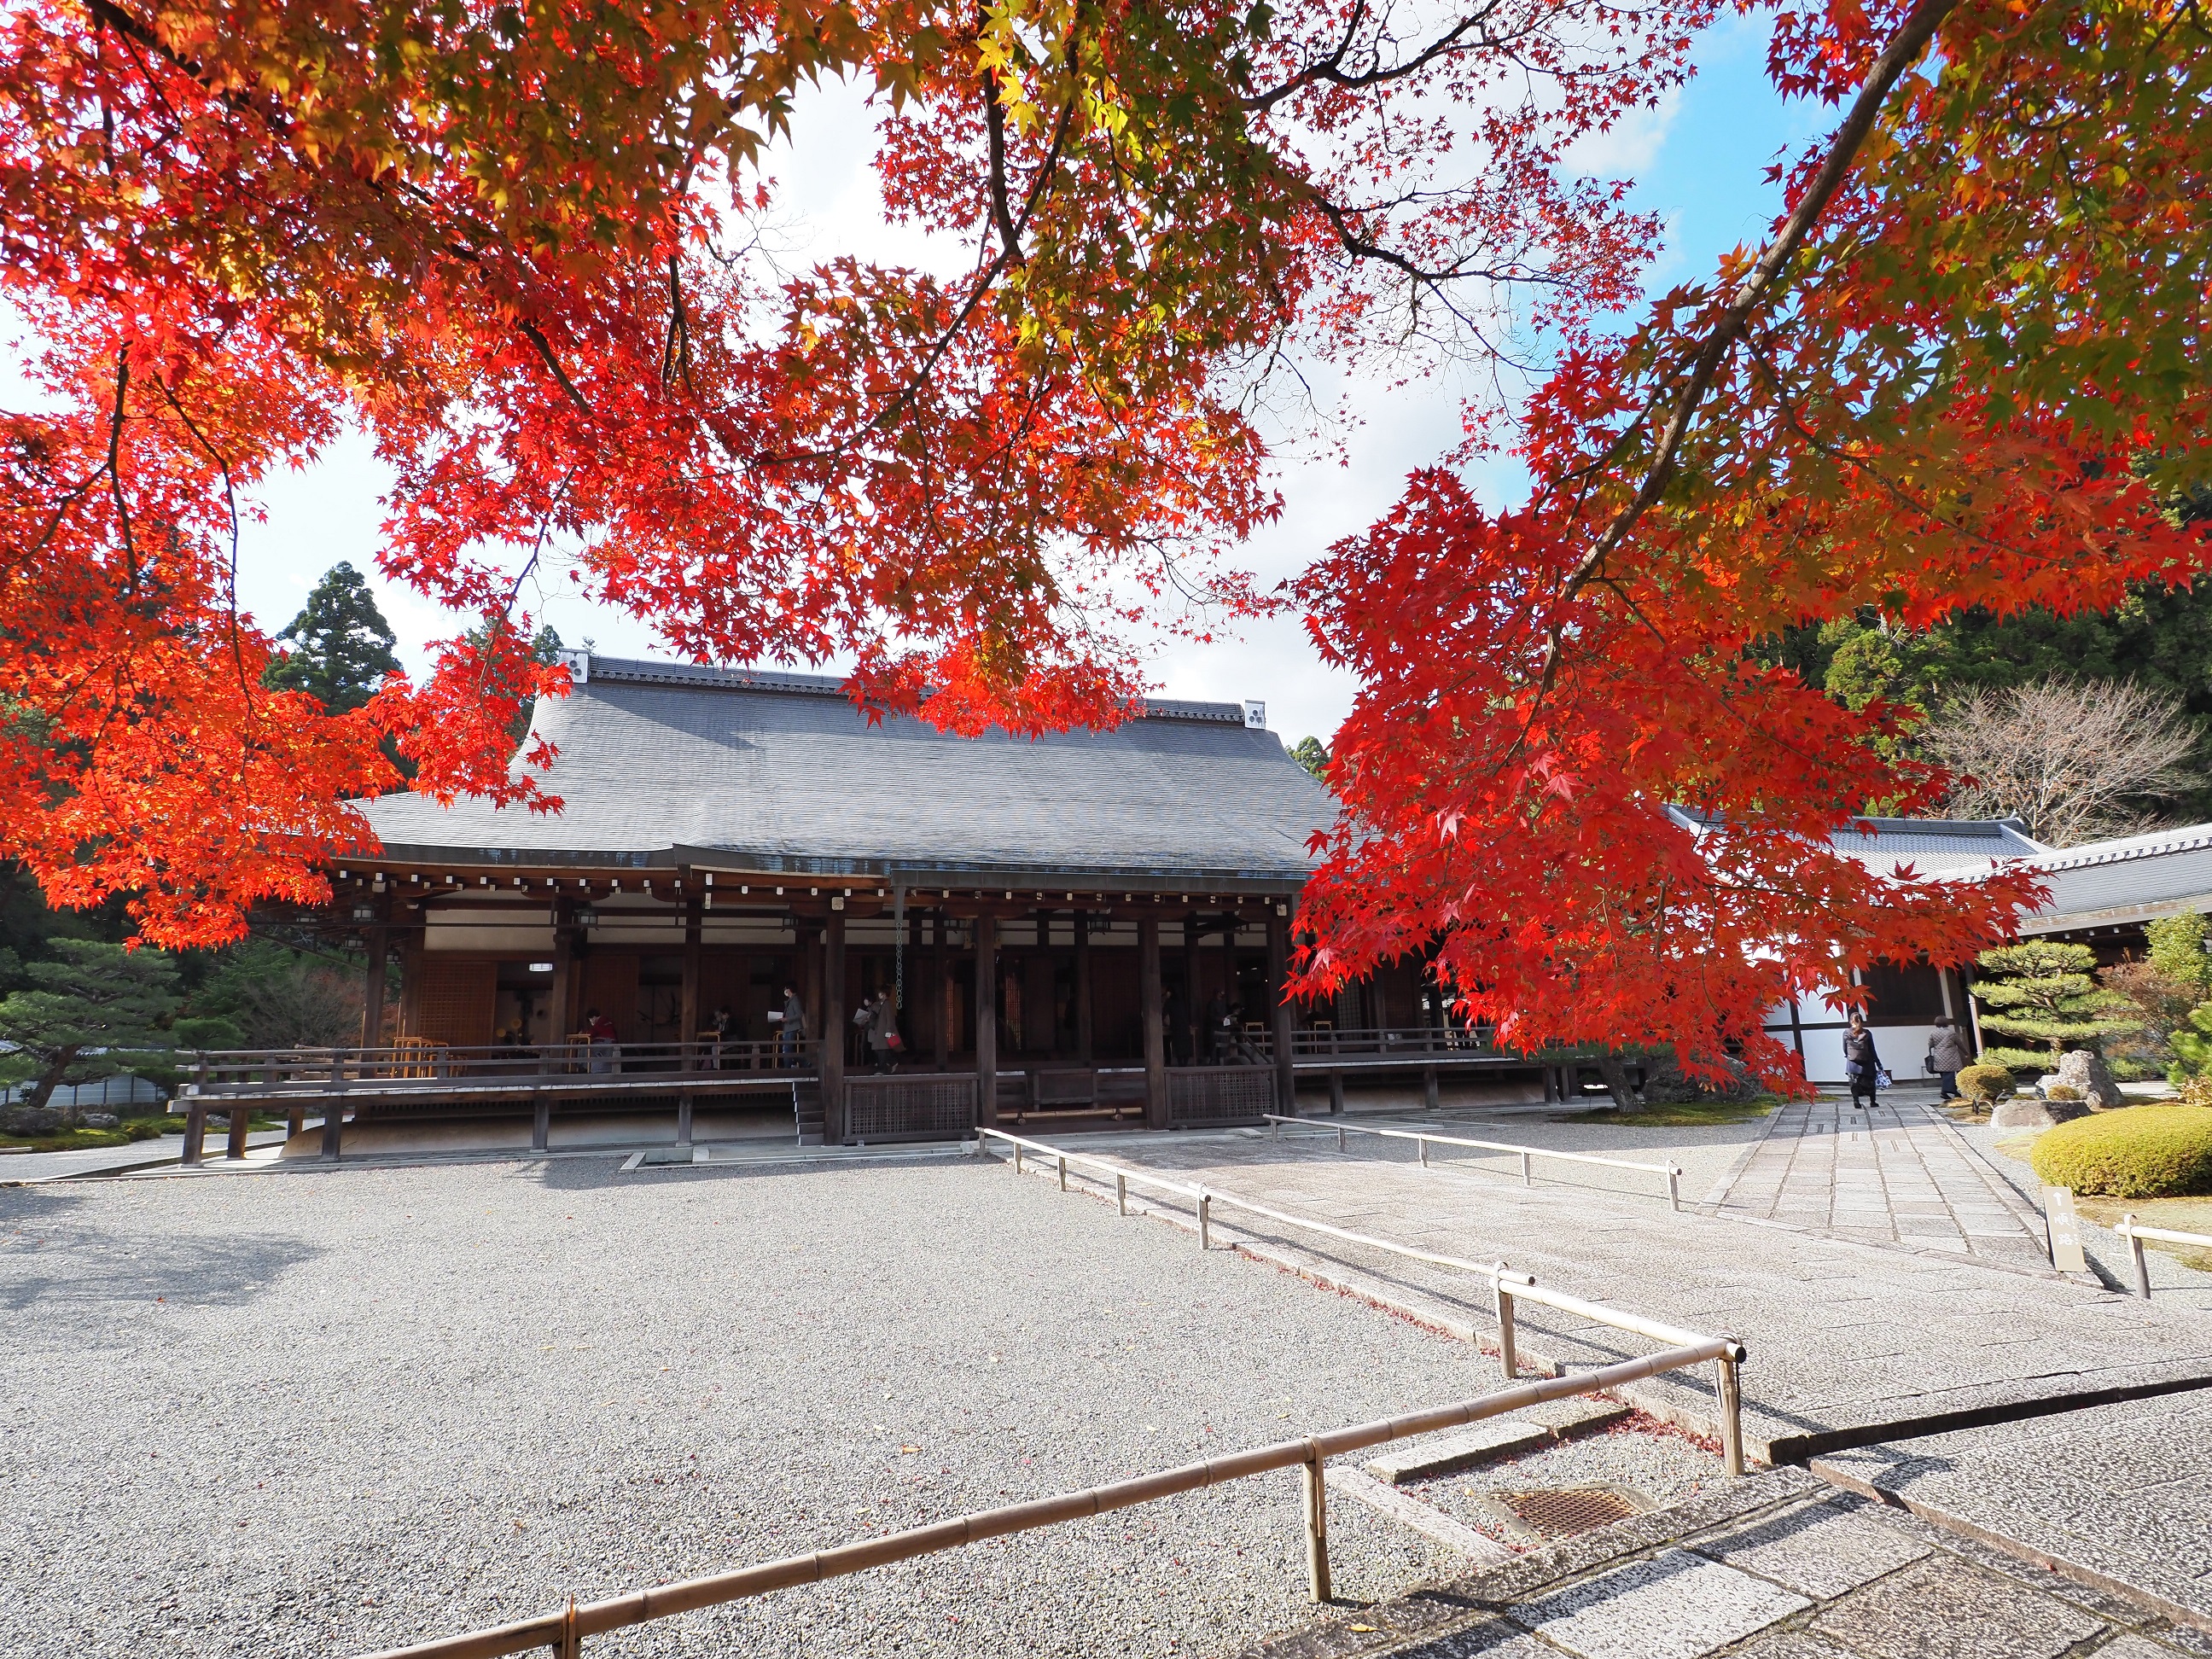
90 1013
2047 993
1308 753
341 645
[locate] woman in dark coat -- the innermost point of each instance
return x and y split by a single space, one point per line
1861 1064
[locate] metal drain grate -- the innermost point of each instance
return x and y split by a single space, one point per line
1559 1514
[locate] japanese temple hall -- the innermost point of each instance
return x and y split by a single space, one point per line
1090 921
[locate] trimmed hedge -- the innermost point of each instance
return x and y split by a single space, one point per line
1985 1083
2135 1151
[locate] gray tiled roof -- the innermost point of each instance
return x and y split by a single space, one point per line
666 763
1934 846
2132 878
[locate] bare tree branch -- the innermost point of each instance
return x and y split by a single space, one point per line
2073 760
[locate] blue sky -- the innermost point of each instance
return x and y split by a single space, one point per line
1700 162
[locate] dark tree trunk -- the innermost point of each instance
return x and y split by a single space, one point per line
1616 1077
51 1079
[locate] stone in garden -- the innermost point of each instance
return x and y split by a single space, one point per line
2027 1112
31 1121
98 1120
2086 1071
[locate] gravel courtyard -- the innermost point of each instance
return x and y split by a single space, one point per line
322 1413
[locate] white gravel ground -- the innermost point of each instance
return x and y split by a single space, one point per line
325 1413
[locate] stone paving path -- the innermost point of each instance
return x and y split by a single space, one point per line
1778 1567
1897 1174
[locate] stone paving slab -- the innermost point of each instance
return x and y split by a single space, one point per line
1849 1343
1777 1567
2120 1495
1900 1173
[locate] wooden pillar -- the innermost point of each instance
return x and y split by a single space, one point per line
1083 987
1149 993
196 1129
1192 1039
411 980
687 1026
1051 1033
241 1114
1229 982
940 1039
1279 973
987 1021
561 1000
833 1030
372 999
333 1129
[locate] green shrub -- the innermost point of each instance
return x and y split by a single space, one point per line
1985 1083
153 1128
2061 1091
2140 1151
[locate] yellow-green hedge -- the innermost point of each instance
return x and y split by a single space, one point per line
2137 1151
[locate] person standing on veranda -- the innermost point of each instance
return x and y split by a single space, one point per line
793 1031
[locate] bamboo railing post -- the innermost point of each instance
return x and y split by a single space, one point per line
1121 1194
1017 1157
1315 1474
1341 1142
2135 1256
1731 1402
569 1643
1421 1141
1674 1189
1507 1358
1528 1173
1204 1220
1063 1174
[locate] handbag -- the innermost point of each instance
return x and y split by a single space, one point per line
1880 1078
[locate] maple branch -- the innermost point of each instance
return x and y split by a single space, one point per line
677 350
1919 27
114 467
994 133
230 496
545 350
1331 68
1362 247
1008 256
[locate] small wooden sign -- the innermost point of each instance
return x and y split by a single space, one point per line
2065 1230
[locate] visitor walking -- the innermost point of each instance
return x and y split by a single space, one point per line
1949 1053
1219 1022
1861 1064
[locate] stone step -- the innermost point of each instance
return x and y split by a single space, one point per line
1502 1437
1424 1518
